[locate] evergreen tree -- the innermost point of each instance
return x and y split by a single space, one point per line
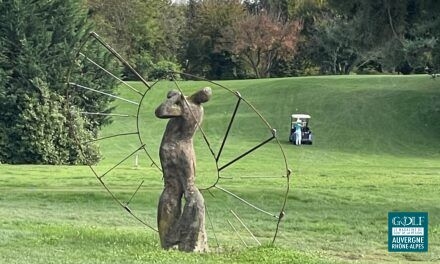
40 123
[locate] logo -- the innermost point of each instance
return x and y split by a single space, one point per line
407 231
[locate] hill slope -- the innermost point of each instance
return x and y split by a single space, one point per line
398 115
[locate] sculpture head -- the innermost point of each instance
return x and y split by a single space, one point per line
176 104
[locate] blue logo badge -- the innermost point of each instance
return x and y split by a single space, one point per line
407 231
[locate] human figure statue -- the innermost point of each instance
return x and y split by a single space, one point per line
184 229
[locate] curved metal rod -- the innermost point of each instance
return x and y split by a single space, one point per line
245 101
153 162
282 213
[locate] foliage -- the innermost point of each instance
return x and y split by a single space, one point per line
39 123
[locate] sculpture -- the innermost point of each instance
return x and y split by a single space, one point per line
184 229
83 61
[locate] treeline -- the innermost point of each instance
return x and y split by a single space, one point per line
45 120
235 39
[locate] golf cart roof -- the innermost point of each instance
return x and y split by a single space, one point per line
301 116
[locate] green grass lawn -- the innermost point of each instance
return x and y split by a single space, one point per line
375 151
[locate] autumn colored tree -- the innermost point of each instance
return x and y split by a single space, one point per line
260 41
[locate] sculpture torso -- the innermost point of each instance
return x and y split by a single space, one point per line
176 150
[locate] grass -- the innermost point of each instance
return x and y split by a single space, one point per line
375 151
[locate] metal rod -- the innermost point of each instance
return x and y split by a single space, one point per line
97 91
246 153
111 74
212 225
112 136
109 48
119 163
119 202
127 203
106 114
241 222
236 232
245 202
229 127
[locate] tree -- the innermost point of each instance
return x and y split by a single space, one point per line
332 49
39 124
206 21
261 41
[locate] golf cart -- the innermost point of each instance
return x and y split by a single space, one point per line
306 133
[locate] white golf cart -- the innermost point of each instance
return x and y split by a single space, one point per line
306 133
